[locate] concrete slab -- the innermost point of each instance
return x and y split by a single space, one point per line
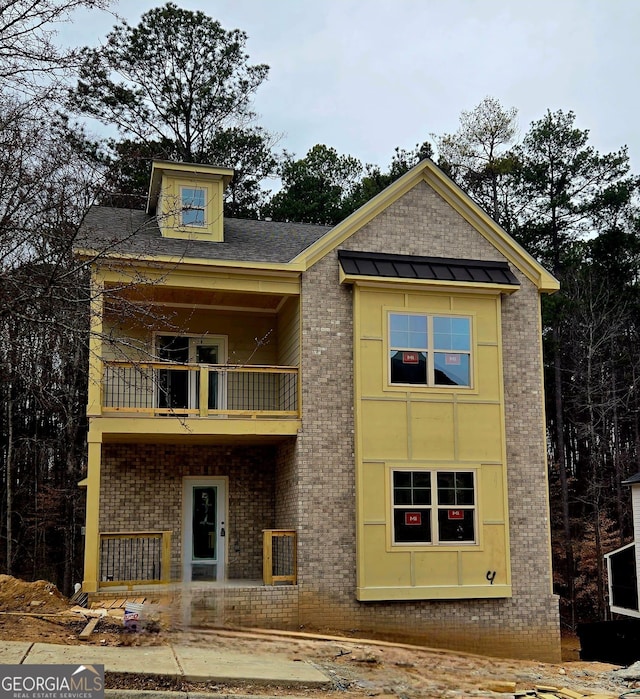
202 664
147 660
13 652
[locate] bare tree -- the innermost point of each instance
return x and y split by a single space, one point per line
477 156
29 57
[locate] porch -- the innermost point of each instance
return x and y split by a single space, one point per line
197 511
138 561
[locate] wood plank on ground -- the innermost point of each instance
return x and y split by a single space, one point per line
88 629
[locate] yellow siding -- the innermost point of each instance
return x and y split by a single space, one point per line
435 568
384 430
384 569
432 431
373 508
252 337
170 205
289 333
418 427
479 433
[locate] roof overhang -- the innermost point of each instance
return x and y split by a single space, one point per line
199 171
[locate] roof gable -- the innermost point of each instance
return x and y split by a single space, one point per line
426 171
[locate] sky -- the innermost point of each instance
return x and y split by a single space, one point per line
366 76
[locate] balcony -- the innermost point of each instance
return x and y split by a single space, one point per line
199 390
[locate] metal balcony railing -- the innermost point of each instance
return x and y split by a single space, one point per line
200 390
279 556
133 558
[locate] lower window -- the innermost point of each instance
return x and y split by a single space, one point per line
434 507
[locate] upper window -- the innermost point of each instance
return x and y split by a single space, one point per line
434 507
429 350
193 206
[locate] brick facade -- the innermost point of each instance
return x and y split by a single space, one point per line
308 483
420 223
145 492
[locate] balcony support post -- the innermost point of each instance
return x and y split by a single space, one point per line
203 396
92 521
94 391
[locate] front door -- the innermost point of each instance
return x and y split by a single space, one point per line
204 515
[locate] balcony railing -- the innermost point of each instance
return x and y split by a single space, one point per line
279 556
200 390
134 558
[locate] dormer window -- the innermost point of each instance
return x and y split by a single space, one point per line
193 206
187 200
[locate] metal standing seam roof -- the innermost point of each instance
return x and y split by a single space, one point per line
431 268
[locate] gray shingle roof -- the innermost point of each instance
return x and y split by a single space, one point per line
129 231
418 267
632 480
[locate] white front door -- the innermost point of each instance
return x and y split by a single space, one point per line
204 534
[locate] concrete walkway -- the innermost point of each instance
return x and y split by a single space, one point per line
189 663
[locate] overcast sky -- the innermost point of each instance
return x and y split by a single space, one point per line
365 76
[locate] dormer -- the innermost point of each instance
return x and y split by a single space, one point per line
187 199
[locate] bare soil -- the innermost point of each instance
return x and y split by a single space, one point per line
37 612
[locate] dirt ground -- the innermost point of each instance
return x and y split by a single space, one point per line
37 612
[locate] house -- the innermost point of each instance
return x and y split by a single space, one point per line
341 428
623 563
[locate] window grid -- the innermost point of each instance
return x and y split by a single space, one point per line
193 206
431 507
429 350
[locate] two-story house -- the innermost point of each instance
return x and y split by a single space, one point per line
342 428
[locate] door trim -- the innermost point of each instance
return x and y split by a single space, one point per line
188 482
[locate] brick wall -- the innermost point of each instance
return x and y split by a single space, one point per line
421 223
145 492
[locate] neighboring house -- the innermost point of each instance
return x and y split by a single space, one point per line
355 413
623 564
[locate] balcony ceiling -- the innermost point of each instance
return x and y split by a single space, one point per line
204 298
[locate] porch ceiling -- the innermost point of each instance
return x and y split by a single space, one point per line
203 298
198 439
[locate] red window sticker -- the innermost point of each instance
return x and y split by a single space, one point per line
412 518
455 514
452 359
410 358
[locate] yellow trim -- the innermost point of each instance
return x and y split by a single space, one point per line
479 523
429 284
189 427
357 441
192 277
141 260
426 171
163 168
503 442
92 518
96 310
374 594
429 389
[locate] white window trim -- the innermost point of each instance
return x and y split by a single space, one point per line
434 508
430 350
202 208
